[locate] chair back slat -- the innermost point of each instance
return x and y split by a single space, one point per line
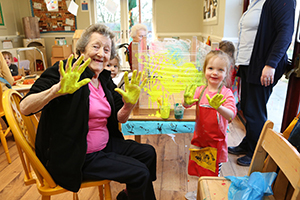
283 158
24 131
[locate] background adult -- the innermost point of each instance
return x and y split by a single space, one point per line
138 32
266 66
78 136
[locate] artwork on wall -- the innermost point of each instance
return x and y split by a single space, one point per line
53 21
210 12
1 16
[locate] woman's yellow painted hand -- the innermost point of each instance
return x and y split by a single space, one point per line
189 94
216 101
69 78
132 89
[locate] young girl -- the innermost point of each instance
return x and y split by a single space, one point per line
12 67
114 66
215 106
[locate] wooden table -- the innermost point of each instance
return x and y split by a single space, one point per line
139 119
22 88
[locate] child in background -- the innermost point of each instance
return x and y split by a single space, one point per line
114 66
215 106
233 83
12 67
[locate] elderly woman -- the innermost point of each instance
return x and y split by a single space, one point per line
78 136
138 32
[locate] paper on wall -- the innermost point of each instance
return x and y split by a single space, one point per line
70 22
52 5
67 28
73 7
37 5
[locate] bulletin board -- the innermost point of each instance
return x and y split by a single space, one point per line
53 21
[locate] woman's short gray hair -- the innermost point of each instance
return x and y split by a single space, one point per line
136 28
95 28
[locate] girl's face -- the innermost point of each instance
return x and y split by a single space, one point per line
99 50
215 71
8 60
113 67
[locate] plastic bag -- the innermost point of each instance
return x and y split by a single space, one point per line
252 187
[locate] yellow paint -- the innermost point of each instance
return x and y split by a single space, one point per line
206 157
167 74
165 111
157 114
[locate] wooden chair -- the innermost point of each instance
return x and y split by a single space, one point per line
282 158
4 132
24 130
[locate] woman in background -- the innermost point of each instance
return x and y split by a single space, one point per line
262 58
138 32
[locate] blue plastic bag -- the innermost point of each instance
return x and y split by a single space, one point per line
252 187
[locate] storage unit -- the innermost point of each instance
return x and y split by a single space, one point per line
35 58
76 37
60 52
31 27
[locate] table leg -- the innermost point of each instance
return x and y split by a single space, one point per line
137 138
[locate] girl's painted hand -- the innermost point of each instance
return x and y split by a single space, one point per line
215 101
69 78
189 94
132 90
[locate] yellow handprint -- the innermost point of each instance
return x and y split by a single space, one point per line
189 94
69 81
215 101
132 89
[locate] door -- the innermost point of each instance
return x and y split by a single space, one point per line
292 100
116 15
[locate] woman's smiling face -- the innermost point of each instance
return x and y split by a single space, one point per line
99 50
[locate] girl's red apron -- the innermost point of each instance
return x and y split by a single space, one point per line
210 139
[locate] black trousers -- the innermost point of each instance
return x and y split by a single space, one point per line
124 161
254 99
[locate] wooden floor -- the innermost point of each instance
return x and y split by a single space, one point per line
172 182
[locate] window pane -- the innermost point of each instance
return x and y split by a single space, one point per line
146 15
112 20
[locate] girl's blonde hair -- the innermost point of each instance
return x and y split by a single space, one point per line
223 56
118 61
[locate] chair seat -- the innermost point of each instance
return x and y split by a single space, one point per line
47 190
209 185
